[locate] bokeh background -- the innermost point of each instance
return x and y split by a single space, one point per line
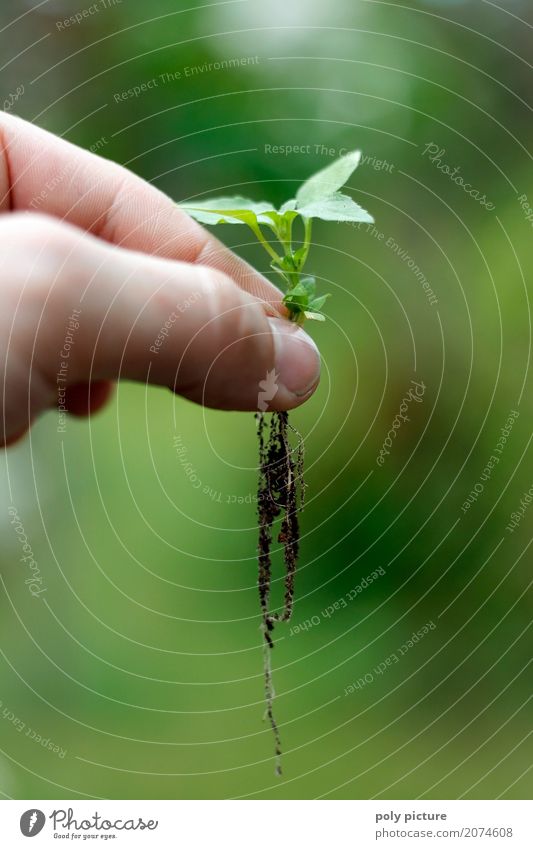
143 661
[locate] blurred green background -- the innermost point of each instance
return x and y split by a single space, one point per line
143 660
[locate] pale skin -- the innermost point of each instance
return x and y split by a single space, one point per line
78 232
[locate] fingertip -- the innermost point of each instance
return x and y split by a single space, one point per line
12 439
297 364
86 399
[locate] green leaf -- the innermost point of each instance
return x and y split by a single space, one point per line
309 284
229 210
329 179
335 207
288 206
316 316
317 303
297 295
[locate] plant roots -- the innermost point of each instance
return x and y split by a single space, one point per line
280 493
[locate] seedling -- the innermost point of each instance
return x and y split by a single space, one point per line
280 494
318 197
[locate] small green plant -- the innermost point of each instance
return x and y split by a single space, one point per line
280 493
318 197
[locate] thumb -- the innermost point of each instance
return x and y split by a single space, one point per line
106 313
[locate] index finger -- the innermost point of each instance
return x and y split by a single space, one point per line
41 172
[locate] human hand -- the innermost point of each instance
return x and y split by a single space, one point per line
103 277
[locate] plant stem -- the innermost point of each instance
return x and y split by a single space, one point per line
283 232
258 233
308 226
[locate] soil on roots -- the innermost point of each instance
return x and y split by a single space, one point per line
280 495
